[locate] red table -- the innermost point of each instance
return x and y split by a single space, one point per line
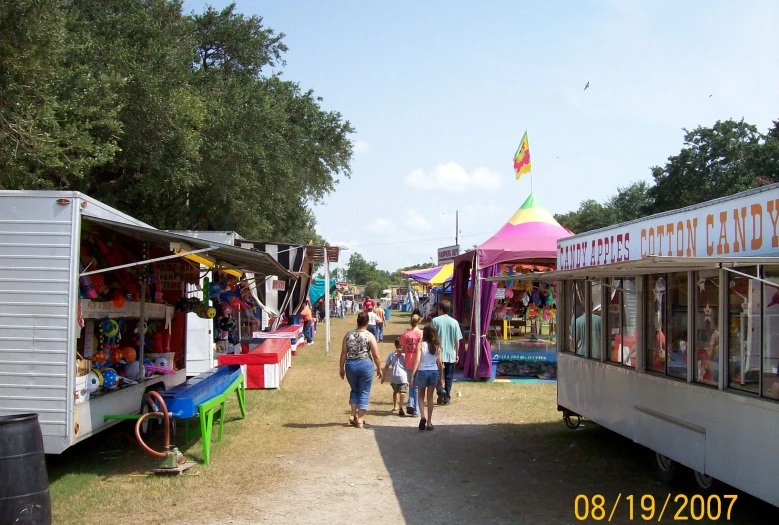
266 362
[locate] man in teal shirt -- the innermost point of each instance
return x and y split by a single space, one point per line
449 334
579 326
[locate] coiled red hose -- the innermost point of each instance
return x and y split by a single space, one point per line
164 414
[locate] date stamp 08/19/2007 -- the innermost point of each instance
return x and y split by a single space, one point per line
647 508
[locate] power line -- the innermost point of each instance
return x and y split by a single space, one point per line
420 240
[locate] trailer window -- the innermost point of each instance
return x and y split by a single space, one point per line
596 321
677 341
575 319
771 333
707 329
655 323
744 331
621 320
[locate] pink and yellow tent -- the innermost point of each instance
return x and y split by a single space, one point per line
529 237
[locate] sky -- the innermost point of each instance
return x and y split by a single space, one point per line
441 93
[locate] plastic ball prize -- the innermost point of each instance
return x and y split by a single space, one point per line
94 381
132 370
99 359
128 352
161 362
116 355
110 378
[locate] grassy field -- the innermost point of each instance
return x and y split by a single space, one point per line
540 465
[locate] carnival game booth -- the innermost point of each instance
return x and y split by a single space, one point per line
267 356
93 310
669 335
528 241
282 297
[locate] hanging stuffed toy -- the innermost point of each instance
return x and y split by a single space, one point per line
547 313
532 311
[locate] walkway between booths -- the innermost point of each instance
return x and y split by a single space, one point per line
500 454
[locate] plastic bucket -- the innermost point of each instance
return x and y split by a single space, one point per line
24 483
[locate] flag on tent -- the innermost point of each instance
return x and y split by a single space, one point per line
522 163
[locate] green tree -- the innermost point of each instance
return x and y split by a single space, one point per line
360 271
768 157
591 215
57 120
373 289
630 203
167 117
714 162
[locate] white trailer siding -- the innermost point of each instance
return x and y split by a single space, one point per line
722 433
38 291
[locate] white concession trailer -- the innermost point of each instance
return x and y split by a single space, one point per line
669 335
52 329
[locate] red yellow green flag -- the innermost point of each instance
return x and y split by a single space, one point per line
522 163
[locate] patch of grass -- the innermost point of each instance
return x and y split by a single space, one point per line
85 482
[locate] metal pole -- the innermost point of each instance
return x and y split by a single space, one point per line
457 227
141 333
476 316
327 303
158 259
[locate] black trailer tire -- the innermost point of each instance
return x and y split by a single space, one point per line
666 469
568 418
704 484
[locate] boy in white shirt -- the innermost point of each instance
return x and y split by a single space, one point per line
372 320
399 377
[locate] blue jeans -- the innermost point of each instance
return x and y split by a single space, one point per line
308 331
446 391
372 329
359 373
380 331
412 398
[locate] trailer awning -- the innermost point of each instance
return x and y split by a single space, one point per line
209 253
648 265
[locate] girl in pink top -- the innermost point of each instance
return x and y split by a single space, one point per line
409 341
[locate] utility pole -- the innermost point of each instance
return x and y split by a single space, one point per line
457 227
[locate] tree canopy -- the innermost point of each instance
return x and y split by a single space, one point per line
172 118
730 157
363 272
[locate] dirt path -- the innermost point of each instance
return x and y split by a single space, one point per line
500 454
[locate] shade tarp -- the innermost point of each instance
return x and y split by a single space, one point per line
317 289
434 276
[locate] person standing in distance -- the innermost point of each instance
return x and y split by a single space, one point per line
449 335
308 321
368 303
380 322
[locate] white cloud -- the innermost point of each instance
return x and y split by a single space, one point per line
416 221
360 146
382 226
453 178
